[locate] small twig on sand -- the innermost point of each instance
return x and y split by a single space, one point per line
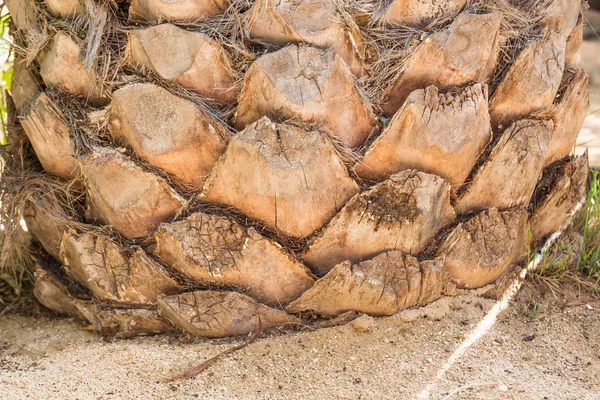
582 302
204 365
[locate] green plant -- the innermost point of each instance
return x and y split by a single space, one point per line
587 222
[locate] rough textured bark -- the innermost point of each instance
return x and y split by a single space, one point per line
220 314
167 131
23 14
439 133
213 249
123 323
310 84
381 286
112 273
188 58
479 250
508 177
420 12
297 181
401 213
62 66
155 11
46 222
464 52
50 137
53 294
24 88
315 22
568 113
531 83
560 190
121 194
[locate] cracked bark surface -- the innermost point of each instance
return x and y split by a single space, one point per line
438 133
455 56
220 314
315 22
66 8
167 131
63 67
508 177
24 87
401 213
568 113
296 182
420 12
156 11
531 83
50 136
557 206
209 248
53 294
112 273
479 250
310 84
47 222
123 323
121 194
190 59
383 285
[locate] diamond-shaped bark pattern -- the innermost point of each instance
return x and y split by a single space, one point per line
290 178
315 22
439 133
167 131
213 249
381 286
401 213
310 84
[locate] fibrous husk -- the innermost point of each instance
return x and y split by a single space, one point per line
464 52
310 84
53 294
46 221
420 12
121 194
314 22
479 250
66 8
62 66
23 14
50 137
381 286
156 11
167 131
297 181
123 322
210 248
568 113
566 187
573 49
401 213
438 133
112 273
191 59
509 175
220 314
24 87
532 82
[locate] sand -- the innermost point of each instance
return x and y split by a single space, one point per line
555 355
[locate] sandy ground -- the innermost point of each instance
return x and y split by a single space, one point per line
555 355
